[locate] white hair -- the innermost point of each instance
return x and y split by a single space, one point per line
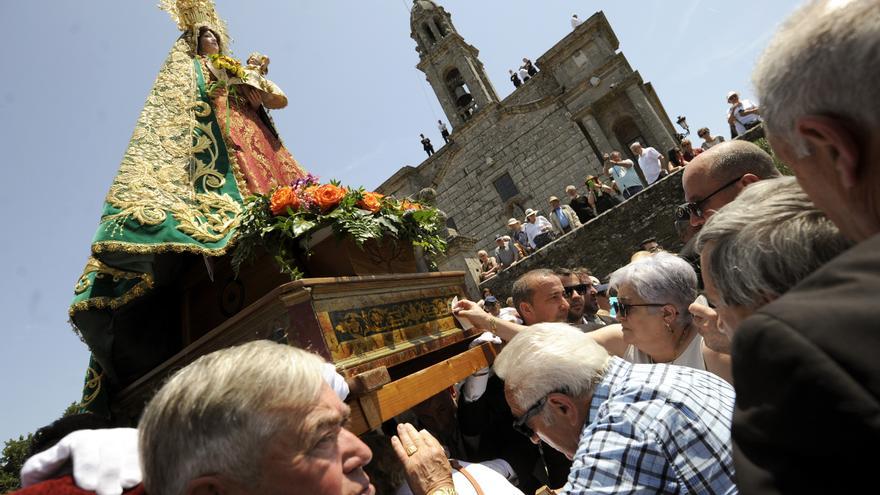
822 61
765 241
217 415
660 278
550 357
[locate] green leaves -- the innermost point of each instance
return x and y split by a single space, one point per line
286 236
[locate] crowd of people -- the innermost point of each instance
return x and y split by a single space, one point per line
746 365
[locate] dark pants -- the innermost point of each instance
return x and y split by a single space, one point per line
429 150
445 135
629 191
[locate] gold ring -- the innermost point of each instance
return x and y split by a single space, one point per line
412 449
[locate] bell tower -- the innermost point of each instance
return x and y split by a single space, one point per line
450 64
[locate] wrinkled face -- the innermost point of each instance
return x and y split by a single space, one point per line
636 148
698 185
821 182
557 434
643 326
554 204
571 193
729 317
208 44
548 302
575 300
331 465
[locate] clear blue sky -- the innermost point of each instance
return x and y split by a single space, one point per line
77 74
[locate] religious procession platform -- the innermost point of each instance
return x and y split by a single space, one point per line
393 337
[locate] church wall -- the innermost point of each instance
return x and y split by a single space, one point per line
543 151
607 242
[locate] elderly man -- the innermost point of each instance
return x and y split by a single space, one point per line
539 229
650 161
519 236
775 237
563 218
805 366
718 175
629 428
257 418
505 253
580 204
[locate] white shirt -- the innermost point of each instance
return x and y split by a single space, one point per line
740 120
575 22
650 163
625 177
523 73
691 357
492 476
441 126
533 230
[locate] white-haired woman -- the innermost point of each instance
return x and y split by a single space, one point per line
774 236
653 295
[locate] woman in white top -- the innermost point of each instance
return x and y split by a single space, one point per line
653 295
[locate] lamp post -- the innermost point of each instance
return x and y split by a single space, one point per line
682 122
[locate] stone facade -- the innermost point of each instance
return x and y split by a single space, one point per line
509 155
606 243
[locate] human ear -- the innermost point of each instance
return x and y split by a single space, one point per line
563 406
834 141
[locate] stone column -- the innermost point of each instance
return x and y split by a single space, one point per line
649 117
592 126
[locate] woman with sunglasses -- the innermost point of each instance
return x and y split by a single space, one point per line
653 295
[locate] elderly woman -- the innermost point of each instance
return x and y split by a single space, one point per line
760 245
488 265
653 295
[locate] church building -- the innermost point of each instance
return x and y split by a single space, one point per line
509 155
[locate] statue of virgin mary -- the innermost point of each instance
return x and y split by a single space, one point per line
203 142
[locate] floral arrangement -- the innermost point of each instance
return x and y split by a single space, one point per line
231 66
284 221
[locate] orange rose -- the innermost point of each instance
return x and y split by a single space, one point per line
409 205
371 201
281 199
328 196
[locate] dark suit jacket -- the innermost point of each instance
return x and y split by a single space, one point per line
806 369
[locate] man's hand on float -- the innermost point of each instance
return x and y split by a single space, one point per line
424 461
473 312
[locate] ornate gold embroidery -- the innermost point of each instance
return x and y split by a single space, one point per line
93 381
93 265
159 170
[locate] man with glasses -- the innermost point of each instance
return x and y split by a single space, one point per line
581 296
717 175
628 427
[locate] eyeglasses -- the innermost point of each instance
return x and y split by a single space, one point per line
581 289
695 208
622 309
519 424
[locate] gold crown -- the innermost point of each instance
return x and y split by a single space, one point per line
193 14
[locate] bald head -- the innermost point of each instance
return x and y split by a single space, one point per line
716 176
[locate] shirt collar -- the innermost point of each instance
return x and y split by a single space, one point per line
616 368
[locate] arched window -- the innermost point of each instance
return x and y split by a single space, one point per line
626 132
460 94
429 35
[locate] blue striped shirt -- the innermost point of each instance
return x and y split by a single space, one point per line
655 428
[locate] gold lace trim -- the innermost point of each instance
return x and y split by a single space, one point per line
93 265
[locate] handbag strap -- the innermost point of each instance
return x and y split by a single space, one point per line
458 467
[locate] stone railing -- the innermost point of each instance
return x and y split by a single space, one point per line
607 242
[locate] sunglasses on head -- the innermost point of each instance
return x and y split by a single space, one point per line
695 207
622 309
581 289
